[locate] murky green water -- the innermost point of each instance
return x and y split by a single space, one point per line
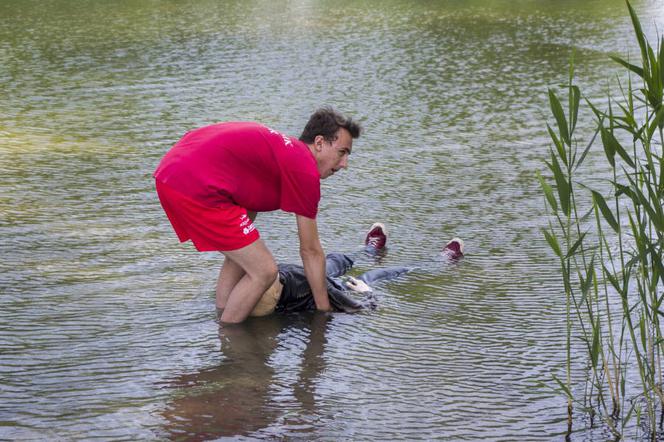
107 323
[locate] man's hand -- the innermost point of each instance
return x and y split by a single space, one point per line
357 285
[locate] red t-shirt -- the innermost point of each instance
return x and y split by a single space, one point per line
249 164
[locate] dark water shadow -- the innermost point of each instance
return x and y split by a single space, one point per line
236 398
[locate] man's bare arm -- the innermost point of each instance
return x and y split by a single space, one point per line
313 259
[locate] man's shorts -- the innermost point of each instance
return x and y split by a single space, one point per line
222 228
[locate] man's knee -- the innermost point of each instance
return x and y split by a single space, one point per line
267 273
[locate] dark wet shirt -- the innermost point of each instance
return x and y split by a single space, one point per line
297 296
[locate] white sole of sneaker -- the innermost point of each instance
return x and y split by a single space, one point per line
459 240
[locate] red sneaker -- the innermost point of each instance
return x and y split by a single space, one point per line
376 236
453 249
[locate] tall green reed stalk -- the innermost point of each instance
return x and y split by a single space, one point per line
610 249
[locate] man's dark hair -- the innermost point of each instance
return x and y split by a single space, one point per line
326 122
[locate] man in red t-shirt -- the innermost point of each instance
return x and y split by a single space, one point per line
215 179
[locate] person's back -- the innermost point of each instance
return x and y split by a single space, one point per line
296 293
247 163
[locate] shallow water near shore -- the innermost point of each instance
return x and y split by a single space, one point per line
107 324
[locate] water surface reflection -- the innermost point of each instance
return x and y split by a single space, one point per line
237 398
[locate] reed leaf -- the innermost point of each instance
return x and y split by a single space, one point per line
661 60
612 279
637 70
562 386
642 295
658 121
553 242
586 215
592 140
563 187
575 98
594 348
628 118
628 416
625 190
621 150
609 147
584 295
638 31
576 245
657 216
656 259
590 276
638 232
612 146
548 192
657 220
606 212
559 145
654 83
587 282
559 114
642 332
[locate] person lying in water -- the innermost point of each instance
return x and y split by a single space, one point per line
290 292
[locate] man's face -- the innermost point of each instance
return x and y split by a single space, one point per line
332 156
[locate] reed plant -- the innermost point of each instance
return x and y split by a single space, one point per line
609 242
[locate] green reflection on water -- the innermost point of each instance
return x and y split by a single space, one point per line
453 96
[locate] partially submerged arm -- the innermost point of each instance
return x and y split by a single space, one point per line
342 301
357 285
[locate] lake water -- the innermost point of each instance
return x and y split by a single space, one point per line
107 324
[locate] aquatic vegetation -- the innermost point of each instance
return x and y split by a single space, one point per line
610 243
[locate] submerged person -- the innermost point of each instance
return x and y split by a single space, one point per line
291 293
214 180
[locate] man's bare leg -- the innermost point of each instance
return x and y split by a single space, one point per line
229 275
260 272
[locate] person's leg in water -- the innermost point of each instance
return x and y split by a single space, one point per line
385 274
375 246
452 251
337 264
295 294
230 274
375 243
260 272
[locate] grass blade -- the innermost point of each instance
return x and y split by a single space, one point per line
609 147
594 348
606 212
548 192
576 245
575 99
637 70
553 242
639 32
585 151
559 145
559 114
563 186
656 122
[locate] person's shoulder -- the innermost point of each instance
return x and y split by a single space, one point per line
225 128
297 157
239 126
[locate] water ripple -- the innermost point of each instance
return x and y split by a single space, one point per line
107 327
